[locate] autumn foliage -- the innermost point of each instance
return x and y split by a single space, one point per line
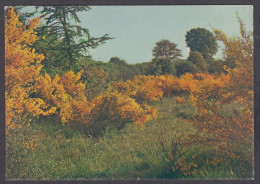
141 88
213 96
22 70
234 93
30 94
119 106
66 94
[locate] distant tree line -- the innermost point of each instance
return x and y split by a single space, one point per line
65 46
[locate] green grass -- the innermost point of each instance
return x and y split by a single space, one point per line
129 153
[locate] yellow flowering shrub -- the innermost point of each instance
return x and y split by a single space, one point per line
180 161
148 88
115 107
22 70
141 88
225 103
28 93
66 94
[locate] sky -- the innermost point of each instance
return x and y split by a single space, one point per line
136 29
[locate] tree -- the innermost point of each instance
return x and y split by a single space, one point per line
216 67
23 16
62 41
144 68
125 71
165 49
185 67
163 66
203 41
117 61
96 76
30 94
197 59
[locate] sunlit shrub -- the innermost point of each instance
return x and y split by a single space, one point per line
66 94
22 70
117 107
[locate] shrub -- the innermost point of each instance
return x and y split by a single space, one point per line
116 109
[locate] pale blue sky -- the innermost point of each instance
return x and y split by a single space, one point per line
136 29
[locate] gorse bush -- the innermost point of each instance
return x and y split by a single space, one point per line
180 161
28 93
116 109
22 71
141 88
66 94
234 88
153 88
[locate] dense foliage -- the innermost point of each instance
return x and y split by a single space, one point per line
201 40
165 49
22 70
63 41
37 94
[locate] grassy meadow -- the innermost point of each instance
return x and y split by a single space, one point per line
52 151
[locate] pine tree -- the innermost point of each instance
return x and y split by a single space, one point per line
63 43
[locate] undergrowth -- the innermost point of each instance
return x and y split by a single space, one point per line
48 150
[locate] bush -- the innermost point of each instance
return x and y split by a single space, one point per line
115 109
180 161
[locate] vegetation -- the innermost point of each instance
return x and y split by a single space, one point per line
167 118
63 41
203 41
165 49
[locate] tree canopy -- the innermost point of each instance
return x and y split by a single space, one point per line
197 59
203 41
63 40
165 49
